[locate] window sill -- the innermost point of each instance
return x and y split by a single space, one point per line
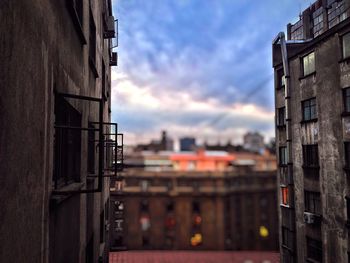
308 121
285 206
308 75
93 67
57 198
76 21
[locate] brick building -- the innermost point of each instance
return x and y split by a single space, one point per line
312 118
185 210
55 90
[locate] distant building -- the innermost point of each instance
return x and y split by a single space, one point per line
164 144
312 97
187 144
194 210
253 141
201 160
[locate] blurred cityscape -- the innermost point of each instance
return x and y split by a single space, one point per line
206 197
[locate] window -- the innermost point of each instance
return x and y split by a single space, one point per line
347 158
102 226
346 45
347 154
67 144
285 195
348 208
287 238
283 156
318 22
196 207
92 40
308 64
346 99
314 249
78 7
313 202
309 109
310 155
281 116
281 80
91 150
144 206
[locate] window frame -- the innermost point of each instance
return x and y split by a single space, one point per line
285 196
313 203
77 15
311 118
343 53
282 156
317 246
347 155
302 63
281 117
346 106
67 162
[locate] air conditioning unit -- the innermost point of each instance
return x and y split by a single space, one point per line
310 218
110 30
114 59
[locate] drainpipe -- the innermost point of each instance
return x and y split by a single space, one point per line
282 41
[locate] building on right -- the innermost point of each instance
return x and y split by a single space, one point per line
312 98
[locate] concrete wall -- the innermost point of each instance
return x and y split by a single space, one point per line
41 51
329 132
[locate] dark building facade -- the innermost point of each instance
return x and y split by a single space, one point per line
55 90
194 210
312 135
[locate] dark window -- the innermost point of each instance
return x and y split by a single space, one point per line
348 208
347 154
283 156
92 39
310 156
313 202
314 249
309 109
346 98
78 7
144 206
346 45
287 238
91 150
308 64
170 207
104 92
196 207
67 144
102 227
281 116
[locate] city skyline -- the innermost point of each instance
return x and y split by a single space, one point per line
204 72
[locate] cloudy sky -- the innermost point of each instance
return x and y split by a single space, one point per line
197 67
